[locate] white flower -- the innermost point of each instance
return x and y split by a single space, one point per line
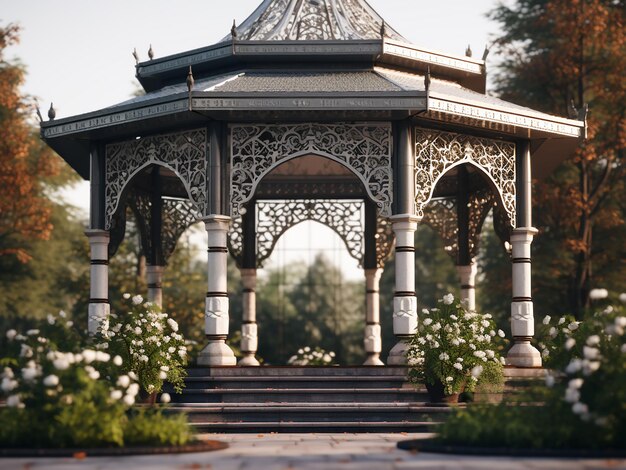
444 356
573 326
89 355
546 319
137 299
117 360
549 380
51 381
327 358
572 395
8 384
13 401
620 322
126 295
164 368
552 332
455 341
575 383
30 372
26 351
165 398
622 297
32 332
623 348
92 373
137 330
162 375
11 334
449 379
574 366
61 363
580 408
143 358
172 323
182 352
476 371
116 394
123 381
591 353
593 340
480 354
332 354
590 367
501 333
300 351
458 366
129 400
427 321
561 320
307 349
102 356
569 343
490 354
597 294
133 389
448 299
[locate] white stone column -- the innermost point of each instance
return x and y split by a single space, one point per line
405 301
249 330
522 354
99 307
154 278
467 275
372 340
217 352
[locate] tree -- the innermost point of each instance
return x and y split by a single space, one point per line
25 212
560 55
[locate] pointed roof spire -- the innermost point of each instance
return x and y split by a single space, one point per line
283 20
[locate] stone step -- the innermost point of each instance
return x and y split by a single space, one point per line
302 381
299 395
318 427
289 371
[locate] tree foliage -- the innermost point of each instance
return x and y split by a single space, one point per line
25 212
560 56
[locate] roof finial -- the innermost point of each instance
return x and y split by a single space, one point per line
468 51
151 52
190 82
52 112
383 30
136 56
233 30
486 52
38 111
427 79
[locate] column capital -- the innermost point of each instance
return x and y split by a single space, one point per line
154 268
410 218
520 233
373 273
216 222
248 278
467 269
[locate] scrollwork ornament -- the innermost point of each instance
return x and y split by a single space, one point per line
363 148
436 152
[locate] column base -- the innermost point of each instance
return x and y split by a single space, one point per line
523 354
397 355
217 353
248 360
97 314
373 359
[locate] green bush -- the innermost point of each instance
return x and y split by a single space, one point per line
153 427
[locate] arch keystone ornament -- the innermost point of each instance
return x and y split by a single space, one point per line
365 149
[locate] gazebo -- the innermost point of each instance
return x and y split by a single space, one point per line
314 110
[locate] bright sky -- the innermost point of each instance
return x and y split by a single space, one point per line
78 52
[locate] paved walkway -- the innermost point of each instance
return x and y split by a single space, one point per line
315 452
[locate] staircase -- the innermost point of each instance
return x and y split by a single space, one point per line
306 399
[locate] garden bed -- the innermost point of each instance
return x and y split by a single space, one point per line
199 446
435 446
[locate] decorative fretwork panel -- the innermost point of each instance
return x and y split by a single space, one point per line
385 240
185 153
363 148
436 152
344 217
441 216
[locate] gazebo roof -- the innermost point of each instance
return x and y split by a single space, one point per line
314 60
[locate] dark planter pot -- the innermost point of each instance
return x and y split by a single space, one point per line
436 393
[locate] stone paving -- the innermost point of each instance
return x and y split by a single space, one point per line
314 452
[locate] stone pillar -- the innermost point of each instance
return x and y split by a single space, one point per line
372 340
249 336
99 307
216 352
467 275
405 301
154 278
522 354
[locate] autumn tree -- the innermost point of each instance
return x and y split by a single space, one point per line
561 56
24 163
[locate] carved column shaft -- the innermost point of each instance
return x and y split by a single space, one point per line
467 276
99 307
372 340
523 354
249 329
217 353
154 278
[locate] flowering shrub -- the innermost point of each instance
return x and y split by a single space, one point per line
73 396
149 344
455 347
312 357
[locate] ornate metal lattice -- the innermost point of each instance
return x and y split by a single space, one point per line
363 148
436 152
385 240
177 215
313 20
441 216
185 153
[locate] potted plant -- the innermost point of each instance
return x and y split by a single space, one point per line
312 357
453 350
